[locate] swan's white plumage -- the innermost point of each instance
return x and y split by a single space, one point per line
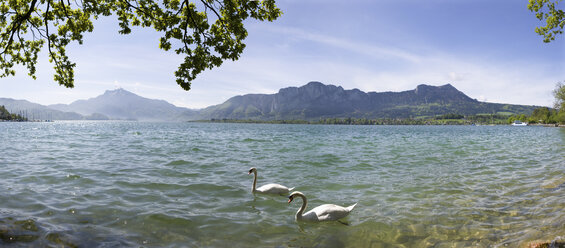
271 188
326 212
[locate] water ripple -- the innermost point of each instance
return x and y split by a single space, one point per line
122 184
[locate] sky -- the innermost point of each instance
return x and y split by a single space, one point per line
486 49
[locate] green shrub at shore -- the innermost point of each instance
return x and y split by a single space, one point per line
541 116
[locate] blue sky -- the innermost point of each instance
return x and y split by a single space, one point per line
486 49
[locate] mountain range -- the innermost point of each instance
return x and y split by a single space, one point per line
312 101
316 100
124 105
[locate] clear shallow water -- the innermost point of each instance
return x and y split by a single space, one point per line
116 184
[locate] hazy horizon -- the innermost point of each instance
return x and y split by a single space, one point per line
213 104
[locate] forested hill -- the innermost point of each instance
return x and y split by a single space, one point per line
311 102
316 100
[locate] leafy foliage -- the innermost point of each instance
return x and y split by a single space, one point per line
541 115
554 17
207 32
559 94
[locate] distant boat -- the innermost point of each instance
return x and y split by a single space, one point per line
519 123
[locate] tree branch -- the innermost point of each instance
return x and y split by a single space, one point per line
18 23
57 63
215 12
140 9
65 9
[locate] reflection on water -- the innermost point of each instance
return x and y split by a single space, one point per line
128 184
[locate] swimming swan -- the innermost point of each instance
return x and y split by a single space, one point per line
271 188
324 212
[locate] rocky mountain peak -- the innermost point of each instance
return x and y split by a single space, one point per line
120 92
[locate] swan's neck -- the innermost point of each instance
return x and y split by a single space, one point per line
303 207
254 181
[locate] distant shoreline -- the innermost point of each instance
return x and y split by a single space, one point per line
400 122
377 122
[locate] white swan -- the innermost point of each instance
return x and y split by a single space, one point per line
324 212
271 188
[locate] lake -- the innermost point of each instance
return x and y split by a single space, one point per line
132 184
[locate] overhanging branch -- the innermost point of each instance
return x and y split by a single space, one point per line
17 25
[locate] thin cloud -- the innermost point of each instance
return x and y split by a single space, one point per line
360 48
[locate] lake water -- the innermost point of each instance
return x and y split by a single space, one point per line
120 184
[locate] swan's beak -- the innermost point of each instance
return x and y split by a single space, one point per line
289 199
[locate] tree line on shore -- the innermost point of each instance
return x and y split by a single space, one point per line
469 120
546 115
5 115
539 116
